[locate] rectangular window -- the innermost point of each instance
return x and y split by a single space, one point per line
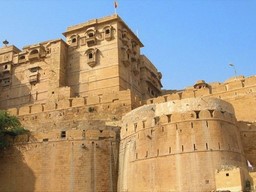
197 114
63 134
135 127
156 120
169 118
143 124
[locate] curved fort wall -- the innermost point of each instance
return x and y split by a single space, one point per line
178 145
240 92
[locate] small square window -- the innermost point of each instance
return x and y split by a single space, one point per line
90 34
63 134
227 174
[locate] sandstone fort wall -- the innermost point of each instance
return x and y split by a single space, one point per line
191 137
70 161
239 92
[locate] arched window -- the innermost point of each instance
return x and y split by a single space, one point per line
22 59
125 36
90 55
90 37
33 52
34 55
108 32
73 40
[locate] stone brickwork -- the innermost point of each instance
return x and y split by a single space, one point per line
99 57
99 120
178 145
240 92
56 161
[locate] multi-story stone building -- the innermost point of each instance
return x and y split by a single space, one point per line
99 120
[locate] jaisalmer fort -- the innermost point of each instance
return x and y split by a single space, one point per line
100 121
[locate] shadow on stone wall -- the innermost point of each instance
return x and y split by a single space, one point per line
16 94
248 134
15 175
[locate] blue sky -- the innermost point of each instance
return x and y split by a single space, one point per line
187 40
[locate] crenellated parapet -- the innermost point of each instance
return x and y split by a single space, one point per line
183 117
56 115
239 91
230 89
122 97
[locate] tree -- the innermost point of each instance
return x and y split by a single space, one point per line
9 126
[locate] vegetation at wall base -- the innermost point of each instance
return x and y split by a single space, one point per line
9 126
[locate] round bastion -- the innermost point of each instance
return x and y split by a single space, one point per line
178 145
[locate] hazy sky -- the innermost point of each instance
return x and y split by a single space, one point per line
187 40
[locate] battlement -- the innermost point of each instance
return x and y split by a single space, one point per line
100 102
177 111
230 89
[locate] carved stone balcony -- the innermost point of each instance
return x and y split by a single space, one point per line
91 41
5 68
5 82
34 56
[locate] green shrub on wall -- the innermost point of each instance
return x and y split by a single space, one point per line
9 126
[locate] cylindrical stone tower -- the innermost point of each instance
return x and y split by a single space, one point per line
179 146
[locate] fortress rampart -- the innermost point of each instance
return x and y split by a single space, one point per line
182 141
108 107
227 90
72 160
70 143
239 92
